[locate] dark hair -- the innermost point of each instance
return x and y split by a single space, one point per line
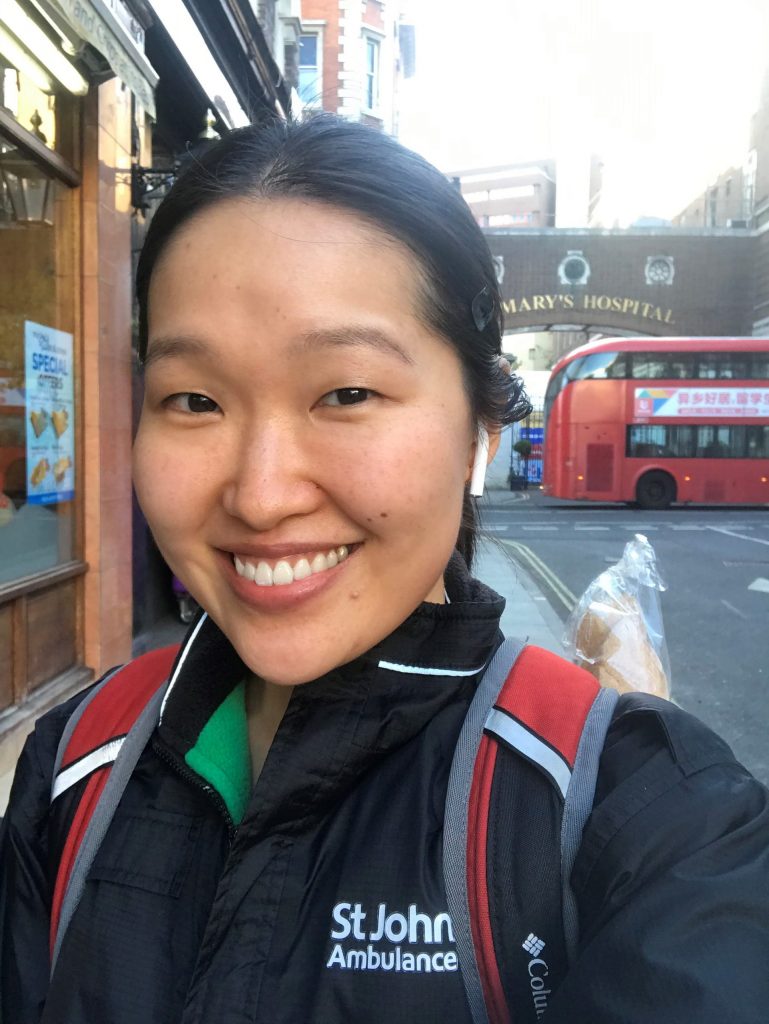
360 169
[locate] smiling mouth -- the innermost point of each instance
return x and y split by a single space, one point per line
286 571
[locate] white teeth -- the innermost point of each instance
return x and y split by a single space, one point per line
263 575
319 563
282 574
302 569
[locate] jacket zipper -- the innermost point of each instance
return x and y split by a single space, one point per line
195 780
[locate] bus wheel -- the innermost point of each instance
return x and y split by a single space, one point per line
655 490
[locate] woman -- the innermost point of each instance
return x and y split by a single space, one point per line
321 336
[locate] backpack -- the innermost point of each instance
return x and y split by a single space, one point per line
520 791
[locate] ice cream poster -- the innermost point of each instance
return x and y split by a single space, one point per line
50 414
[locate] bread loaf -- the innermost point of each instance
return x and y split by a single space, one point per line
613 644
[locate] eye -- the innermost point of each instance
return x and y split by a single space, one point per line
346 396
190 402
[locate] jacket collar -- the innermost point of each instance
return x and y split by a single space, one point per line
385 696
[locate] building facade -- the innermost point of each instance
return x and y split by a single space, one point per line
739 199
352 57
724 203
510 196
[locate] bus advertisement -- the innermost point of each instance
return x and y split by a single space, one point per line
653 421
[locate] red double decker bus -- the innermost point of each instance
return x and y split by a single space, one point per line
657 421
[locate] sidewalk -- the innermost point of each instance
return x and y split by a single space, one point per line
527 614
497 497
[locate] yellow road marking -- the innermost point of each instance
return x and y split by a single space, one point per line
536 565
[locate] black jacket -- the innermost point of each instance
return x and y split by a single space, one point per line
210 904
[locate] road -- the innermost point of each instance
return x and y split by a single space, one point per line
715 562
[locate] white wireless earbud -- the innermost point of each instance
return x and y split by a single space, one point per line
480 461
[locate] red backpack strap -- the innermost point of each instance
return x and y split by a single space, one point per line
541 712
93 738
534 707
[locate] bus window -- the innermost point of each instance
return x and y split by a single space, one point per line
681 365
601 366
734 366
650 366
713 442
757 442
681 442
571 372
759 368
646 441
707 365
558 382
553 387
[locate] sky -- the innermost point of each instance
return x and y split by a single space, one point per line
662 91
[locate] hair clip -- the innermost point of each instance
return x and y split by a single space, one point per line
482 308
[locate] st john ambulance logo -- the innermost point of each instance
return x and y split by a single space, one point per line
532 944
381 939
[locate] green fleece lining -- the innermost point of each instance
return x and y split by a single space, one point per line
221 754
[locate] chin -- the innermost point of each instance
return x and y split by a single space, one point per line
280 670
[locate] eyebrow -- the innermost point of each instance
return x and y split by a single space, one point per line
354 336
176 346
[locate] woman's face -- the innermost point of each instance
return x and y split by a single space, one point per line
300 426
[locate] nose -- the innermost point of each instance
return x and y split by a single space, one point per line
271 477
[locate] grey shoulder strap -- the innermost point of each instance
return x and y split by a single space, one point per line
579 803
75 717
126 761
455 821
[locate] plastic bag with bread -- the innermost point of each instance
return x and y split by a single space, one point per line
616 631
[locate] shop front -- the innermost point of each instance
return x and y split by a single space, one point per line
66 129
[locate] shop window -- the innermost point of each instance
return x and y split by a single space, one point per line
23 97
37 413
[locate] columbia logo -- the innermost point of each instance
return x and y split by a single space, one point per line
533 944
